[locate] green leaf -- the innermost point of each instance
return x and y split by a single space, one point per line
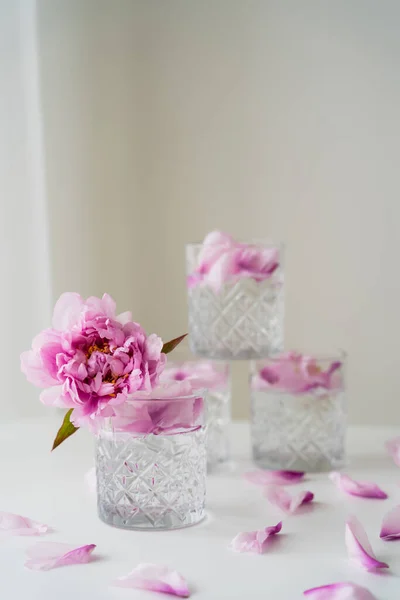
65 431
169 346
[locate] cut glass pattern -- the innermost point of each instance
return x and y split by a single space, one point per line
298 432
151 482
242 321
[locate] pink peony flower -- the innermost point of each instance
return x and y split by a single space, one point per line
92 360
297 374
223 259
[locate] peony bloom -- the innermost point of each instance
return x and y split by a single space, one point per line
92 360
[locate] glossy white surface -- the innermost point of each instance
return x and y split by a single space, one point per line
309 552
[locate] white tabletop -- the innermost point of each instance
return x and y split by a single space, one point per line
310 551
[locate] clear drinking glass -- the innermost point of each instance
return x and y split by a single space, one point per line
215 377
301 429
237 315
151 465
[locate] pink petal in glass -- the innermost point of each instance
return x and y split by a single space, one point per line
358 547
289 504
390 529
18 525
339 591
393 447
274 477
44 556
297 374
155 578
364 489
254 541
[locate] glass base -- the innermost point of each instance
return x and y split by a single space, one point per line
158 522
151 482
313 464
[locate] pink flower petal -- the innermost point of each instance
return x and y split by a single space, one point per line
215 245
296 373
52 396
390 529
300 500
18 525
254 541
108 305
393 447
67 311
339 591
199 373
155 578
221 270
364 489
124 317
358 547
48 555
274 477
281 498
32 367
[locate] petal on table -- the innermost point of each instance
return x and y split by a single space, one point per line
48 555
274 477
358 547
300 499
155 578
339 591
364 489
393 447
18 525
281 498
390 529
254 541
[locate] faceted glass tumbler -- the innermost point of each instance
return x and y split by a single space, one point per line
215 377
299 432
152 481
240 321
218 420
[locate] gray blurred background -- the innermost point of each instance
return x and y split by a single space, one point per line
130 127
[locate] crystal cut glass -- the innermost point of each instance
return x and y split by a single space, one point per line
298 431
240 320
215 377
152 481
218 420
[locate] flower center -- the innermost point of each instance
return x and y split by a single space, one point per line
103 347
314 370
114 379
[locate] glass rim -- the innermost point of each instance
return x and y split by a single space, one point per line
256 243
200 393
318 356
174 362
315 393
